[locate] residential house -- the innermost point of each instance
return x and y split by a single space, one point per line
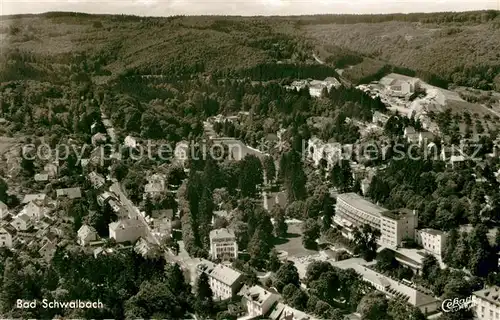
181 152
48 246
223 244
22 222
42 177
7 234
35 209
130 142
162 221
319 152
52 169
147 249
96 179
98 139
221 214
486 303
433 241
103 251
86 234
127 230
4 210
154 189
69 193
224 281
281 311
380 118
258 300
42 197
104 198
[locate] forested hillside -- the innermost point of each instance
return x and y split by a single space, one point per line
463 50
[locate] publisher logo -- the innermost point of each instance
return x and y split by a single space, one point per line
456 304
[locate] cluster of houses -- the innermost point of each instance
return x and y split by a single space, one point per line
130 227
34 225
228 284
316 87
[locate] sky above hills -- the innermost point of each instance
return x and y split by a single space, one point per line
243 7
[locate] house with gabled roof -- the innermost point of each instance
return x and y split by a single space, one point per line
38 197
258 300
21 222
52 169
69 193
281 311
49 246
7 235
224 281
42 177
86 234
4 210
147 249
96 179
162 221
127 230
35 209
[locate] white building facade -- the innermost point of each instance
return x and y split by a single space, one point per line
223 244
486 303
433 241
396 226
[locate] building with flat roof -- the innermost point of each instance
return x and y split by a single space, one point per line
397 225
433 241
352 210
486 303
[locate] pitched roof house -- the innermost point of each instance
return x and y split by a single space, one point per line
21 222
49 246
258 300
42 177
96 179
127 230
35 209
4 210
224 281
86 234
32 197
51 169
70 193
7 234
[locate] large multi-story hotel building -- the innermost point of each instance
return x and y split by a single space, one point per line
397 225
352 210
